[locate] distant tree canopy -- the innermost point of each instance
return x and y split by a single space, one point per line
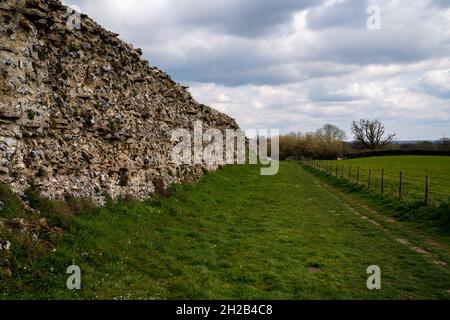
325 143
331 133
370 134
444 144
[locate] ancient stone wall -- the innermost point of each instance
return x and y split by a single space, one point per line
82 113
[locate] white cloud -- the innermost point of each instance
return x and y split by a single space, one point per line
436 83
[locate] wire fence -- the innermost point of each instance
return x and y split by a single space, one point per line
401 185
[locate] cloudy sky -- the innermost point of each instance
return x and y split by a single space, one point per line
297 64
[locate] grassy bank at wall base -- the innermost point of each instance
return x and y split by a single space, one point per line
234 235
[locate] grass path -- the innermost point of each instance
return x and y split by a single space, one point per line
239 235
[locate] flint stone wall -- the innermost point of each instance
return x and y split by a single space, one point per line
82 114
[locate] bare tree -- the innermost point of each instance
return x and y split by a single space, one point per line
331 133
444 144
370 134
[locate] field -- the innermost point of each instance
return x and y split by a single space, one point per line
414 170
239 235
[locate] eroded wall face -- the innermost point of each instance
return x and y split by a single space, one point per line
82 113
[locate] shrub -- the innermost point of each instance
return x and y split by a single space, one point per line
442 215
31 115
72 48
15 174
65 76
42 54
80 205
12 205
41 172
309 145
58 213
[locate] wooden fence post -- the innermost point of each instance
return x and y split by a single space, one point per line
343 168
350 173
337 168
370 178
400 186
427 190
382 181
357 176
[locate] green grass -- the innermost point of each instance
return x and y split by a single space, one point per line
237 235
414 169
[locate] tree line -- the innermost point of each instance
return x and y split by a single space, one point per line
329 142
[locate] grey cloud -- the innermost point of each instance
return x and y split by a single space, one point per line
237 44
339 37
440 3
244 18
435 83
260 72
368 47
347 14
320 94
